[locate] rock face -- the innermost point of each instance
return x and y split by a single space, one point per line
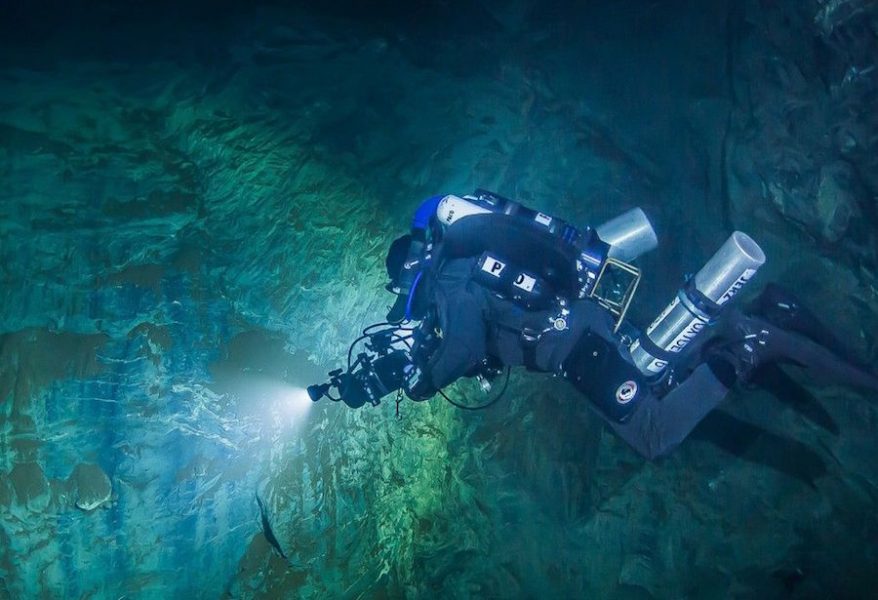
838 200
194 209
803 131
30 486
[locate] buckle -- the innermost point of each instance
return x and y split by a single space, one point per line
530 336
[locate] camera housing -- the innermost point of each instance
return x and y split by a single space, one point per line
370 378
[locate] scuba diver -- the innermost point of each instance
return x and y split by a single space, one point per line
484 284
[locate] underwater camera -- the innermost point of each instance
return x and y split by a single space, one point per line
373 375
388 364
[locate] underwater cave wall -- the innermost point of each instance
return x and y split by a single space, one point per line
194 208
802 146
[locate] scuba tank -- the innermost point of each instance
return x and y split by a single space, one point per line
697 304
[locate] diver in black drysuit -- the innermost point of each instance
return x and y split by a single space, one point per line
476 325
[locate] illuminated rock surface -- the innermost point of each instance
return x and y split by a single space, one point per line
194 207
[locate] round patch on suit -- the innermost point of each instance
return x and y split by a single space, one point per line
625 393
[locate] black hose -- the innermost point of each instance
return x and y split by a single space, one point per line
491 402
366 334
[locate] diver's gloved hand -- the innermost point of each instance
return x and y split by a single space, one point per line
417 384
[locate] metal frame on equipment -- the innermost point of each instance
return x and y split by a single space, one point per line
619 309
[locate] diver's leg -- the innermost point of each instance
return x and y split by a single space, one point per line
826 367
781 307
751 341
660 424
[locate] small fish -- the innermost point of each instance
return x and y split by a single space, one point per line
266 529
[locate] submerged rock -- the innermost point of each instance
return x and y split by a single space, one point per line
638 570
31 487
837 200
803 131
7 495
90 487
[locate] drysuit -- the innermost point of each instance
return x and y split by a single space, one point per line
471 324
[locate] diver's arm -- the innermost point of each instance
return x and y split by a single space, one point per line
416 260
420 225
417 383
454 338
446 354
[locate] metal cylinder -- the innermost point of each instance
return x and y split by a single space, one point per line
629 235
683 320
730 268
453 208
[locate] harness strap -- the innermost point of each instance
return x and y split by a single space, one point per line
697 303
657 351
530 339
